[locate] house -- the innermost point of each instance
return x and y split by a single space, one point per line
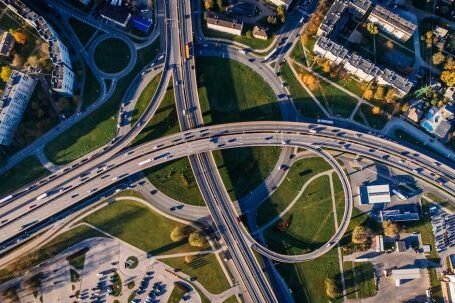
13 103
392 23
6 43
224 24
415 111
450 93
260 33
439 121
372 194
117 14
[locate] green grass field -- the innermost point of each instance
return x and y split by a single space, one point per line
91 89
99 127
205 269
334 100
243 169
164 122
176 180
82 30
436 288
375 121
360 280
232 92
144 99
112 55
312 222
137 224
296 177
176 295
441 201
23 173
302 100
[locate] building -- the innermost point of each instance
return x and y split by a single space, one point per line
400 246
224 24
450 93
260 33
396 215
62 79
285 3
13 103
392 23
116 14
356 65
439 121
58 52
6 44
415 111
448 288
405 274
372 194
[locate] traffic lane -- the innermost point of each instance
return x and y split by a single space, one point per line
202 145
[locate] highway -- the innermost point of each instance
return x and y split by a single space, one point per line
203 165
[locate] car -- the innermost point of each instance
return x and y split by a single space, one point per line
283 167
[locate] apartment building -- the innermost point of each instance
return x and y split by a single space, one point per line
224 24
13 103
392 23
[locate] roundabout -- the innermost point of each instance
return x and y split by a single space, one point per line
114 56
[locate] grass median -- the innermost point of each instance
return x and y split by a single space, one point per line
23 173
99 127
205 269
144 98
135 224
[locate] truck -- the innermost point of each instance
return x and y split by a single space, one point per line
42 196
187 51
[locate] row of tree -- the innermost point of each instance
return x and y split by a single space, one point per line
379 94
195 238
362 234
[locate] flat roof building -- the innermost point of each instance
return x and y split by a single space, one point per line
285 3
375 194
6 43
224 24
117 14
13 103
396 215
392 23
400 246
62 79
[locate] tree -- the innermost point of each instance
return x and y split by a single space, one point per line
208 4
33 61
438 58
220 4
196 239
18 60
178 234
310 81
391 94
375 110
360 234
429 39
271 19
389 44
405 107
368 94
326 66
281 13
5 73
379 94
331 288
249 34
390 228
450 64
448 77
19 36
372 29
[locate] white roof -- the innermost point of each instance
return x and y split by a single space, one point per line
406 274
378 193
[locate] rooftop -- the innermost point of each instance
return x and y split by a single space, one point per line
394 19
216 19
